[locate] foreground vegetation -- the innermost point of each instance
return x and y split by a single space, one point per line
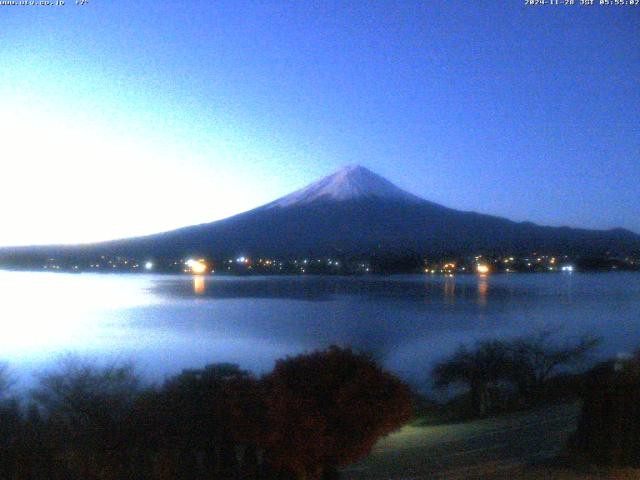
504 375
311 415
317 413
593 433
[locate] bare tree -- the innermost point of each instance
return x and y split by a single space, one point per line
535 359
525 364
88 417
481 370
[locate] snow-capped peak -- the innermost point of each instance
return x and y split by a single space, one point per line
350 182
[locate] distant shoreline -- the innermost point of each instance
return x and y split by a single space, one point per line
314 274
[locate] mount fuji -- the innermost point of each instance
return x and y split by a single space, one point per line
356 212
349 183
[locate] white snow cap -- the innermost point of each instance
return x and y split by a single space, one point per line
350 182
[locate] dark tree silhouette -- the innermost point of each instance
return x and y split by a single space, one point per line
204 421
609 427
312 415
10 422
535 359
5 381
327 409
88 411
481 369
493 369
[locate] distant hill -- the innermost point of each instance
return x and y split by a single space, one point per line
355 212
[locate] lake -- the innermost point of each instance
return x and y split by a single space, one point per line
165 323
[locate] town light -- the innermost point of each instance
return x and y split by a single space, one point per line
482 269
196 266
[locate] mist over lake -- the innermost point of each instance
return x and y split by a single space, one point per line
166 323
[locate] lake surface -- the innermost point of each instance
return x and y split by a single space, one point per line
167 323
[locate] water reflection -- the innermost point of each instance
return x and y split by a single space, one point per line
567 291
408 321
199 284
40 310
450 289
483 290
429 290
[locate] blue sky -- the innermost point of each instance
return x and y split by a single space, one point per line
129 117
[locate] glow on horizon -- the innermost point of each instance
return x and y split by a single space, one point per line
70 179
131 118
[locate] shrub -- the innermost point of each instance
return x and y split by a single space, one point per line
328 408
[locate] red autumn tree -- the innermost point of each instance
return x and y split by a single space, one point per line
328 408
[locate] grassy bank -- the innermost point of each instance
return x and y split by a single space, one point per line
524 445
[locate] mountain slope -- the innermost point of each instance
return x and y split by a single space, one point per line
354 211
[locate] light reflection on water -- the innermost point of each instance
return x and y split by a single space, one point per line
166 323
199 284
450 289
483 290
